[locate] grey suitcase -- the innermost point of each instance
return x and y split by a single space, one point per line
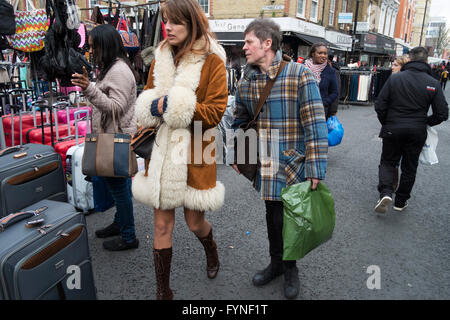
28 174
53 264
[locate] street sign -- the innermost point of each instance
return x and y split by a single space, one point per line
345 17
362 26
274 7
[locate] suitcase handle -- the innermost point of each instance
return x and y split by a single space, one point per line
75 115
9 150
13 218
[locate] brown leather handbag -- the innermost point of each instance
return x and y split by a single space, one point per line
109 154
248 168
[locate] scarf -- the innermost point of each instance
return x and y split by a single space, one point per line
316 68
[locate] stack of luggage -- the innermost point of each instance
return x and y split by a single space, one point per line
44 251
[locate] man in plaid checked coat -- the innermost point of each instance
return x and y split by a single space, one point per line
291 126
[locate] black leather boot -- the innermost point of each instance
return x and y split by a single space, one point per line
272 271
291 282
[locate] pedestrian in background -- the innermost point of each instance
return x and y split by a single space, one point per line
402 107
399 62
397 65
332 110
187 82
114 91
325 76
444 78
294 108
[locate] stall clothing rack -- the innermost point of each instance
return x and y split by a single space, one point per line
356 90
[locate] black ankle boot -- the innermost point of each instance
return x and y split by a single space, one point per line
272 271
110 231
291 282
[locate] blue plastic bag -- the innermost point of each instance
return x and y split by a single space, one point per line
335 131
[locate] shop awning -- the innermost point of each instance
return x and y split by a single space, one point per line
311 39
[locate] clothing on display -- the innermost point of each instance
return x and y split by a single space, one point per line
358 86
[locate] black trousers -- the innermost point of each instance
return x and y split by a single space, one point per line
404 143
274 219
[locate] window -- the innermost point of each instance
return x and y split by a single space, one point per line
332 8
314 10
409 13
344 5
205 6
382 19
369 9
301 8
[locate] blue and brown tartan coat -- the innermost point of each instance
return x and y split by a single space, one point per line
294 110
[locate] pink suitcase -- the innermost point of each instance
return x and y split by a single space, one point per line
62 114
82 127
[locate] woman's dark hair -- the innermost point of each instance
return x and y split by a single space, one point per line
314 48
107 47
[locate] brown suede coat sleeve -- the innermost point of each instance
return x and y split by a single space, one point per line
212 97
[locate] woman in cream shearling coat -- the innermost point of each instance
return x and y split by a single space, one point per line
186 91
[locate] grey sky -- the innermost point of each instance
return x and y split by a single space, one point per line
440 8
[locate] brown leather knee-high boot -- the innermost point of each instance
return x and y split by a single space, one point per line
212 257
163 259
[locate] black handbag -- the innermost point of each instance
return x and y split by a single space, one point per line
7 19
247 167
143 140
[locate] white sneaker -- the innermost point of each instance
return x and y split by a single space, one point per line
401 208
383 204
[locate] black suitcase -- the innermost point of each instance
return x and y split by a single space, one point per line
28 174
49 261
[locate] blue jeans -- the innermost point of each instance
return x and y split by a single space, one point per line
120 189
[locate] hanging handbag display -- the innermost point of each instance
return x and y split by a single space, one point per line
7 19
73 16
31 27
248 168
129 39
109 154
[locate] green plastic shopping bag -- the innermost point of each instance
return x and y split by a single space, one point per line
309 218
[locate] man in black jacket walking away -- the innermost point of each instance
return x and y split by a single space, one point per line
402 108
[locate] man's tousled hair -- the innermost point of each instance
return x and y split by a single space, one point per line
266 29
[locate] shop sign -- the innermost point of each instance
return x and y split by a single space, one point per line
373 43
362 26
345 17
370 42
229 25
286 24
339 39
300 26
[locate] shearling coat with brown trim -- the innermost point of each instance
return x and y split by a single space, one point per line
178 174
